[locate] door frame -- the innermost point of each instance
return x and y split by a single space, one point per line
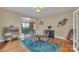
75 30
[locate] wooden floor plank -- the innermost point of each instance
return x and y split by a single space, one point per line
17 46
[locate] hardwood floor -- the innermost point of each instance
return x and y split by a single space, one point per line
2 44
16 46
65 47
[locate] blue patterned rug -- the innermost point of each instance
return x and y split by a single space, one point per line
41 46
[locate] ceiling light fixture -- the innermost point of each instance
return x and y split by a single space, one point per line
38 9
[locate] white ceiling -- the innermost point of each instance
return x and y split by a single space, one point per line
46 11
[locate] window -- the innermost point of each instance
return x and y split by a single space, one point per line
25 24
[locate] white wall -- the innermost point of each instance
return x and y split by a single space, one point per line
8 18
53 21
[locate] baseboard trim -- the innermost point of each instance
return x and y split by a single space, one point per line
75 49
60 37
1 40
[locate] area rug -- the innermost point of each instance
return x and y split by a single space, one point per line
41 46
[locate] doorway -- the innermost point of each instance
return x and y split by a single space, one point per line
27 26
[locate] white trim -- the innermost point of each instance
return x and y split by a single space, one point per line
2 40
75 36
75 49
60 37
74 31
